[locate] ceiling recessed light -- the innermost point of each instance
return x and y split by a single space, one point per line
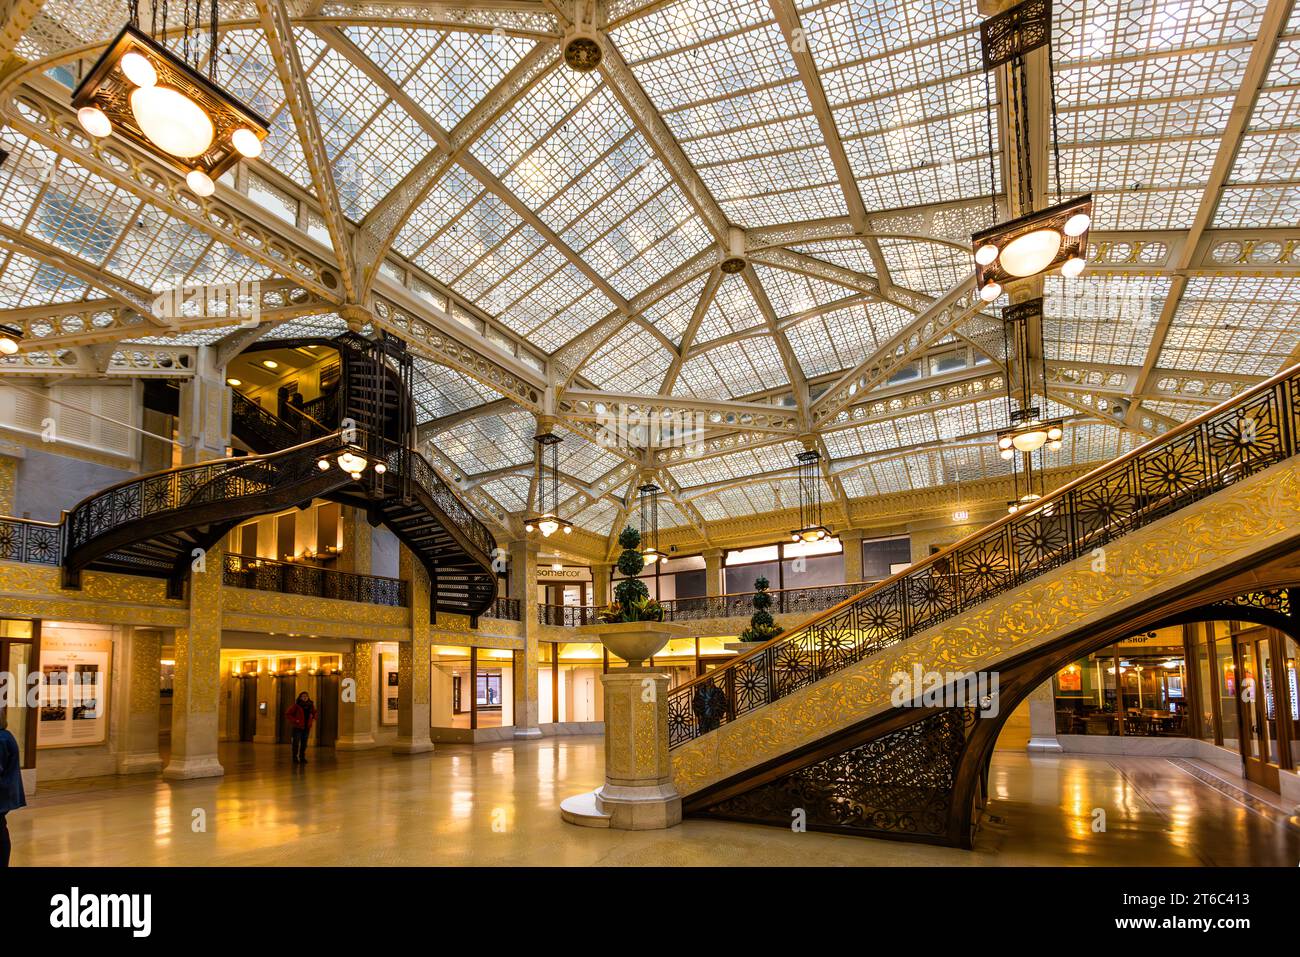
234 382
270 363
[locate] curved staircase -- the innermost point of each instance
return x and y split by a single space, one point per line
156 524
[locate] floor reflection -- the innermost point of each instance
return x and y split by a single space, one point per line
495 804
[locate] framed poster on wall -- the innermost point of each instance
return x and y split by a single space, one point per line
74 687
388 688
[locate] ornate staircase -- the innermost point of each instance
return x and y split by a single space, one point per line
829 721
162 524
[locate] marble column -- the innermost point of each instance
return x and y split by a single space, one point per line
204 422
851 539
196 704
601 573
357 707
138 730
356 552
523 584
1042 719
414 664
715 583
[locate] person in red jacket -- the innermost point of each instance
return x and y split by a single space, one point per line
302 715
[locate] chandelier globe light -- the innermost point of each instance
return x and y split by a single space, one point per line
812 529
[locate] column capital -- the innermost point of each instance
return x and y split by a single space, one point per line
713 553
852 534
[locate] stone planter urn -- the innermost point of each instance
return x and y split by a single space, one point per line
635 641
638 793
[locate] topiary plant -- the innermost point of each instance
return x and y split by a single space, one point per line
761 625
632 601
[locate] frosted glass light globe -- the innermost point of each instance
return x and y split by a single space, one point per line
172 121
200 183
986 254
138 69
246 142
1073 267
94 121
1077 224
1031 253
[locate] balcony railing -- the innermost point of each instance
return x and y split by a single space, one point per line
34 543
566 616
505 609
290 578
738 605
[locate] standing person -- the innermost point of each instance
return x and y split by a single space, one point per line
11 784
302 715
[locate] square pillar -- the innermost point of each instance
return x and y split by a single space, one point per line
1042 719
196 713
204 421
715 583
356 554
356 709
851 539
414 664
601 574
523 584
138 731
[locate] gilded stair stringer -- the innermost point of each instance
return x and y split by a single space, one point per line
1251 518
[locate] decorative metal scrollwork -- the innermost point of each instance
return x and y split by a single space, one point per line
900 784
1180 467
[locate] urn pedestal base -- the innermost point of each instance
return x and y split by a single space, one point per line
638 793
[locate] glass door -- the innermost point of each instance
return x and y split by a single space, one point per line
1257 697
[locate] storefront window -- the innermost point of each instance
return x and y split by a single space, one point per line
1201 671
1135 687
1227 677
471 688
883 557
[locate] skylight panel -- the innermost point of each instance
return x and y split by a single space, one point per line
1234 324
786 187
672 314
451 196
378 158
26 282
489 442
439 390
1107 319
931 268
733 309
510 490
792 293
544 106
81 213
849 253
632 361
469 237
597 516
325 326
678 25
571 320
734 370
1093 31
22 176
461 71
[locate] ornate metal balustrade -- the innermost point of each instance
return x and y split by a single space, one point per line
505 609
262 574
250 420
188 486
405 463
566 616
1200 457
741 604
34 543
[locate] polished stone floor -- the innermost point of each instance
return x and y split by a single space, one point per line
497 804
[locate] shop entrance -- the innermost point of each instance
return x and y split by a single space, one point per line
1260 663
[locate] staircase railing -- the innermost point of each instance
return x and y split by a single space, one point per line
188 485
1224 445
408 463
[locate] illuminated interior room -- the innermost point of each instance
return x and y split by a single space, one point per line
668 417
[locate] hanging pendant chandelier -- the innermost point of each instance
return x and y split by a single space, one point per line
1037 241
1027 431
811 529
648 495
145 93
9 339
546 470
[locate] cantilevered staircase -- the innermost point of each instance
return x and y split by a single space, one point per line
161 524
829 722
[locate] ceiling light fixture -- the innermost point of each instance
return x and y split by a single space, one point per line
157 100
1036 241
649 507
9 339
811 529
546 469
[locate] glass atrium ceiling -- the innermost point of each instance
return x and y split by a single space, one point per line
542 234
